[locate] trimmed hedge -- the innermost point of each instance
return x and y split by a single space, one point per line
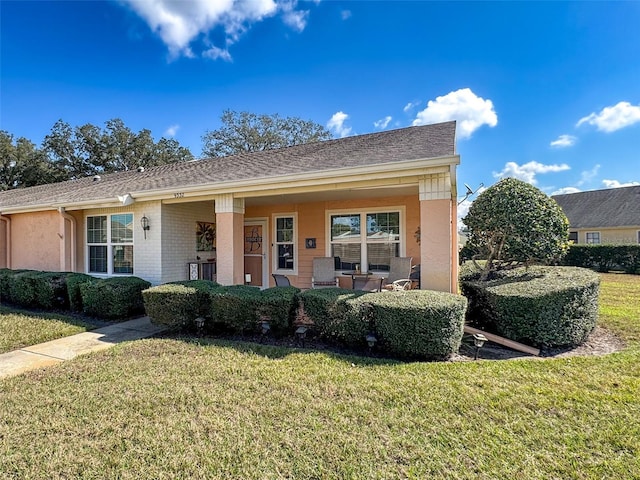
51 290
604 257
542 306
22 289
178 304
323 307
278 305
6 279
413 324
235 307
74 280
113 298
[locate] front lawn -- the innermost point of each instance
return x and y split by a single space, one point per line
170 408
21 328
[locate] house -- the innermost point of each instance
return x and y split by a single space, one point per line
359 199
609 216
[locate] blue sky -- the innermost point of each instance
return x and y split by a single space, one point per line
548 92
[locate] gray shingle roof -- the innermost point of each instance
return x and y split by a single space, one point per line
412 143
615 207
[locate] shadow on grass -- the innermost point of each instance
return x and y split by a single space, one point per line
70 318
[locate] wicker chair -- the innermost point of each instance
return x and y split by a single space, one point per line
399 272
281 280
324 273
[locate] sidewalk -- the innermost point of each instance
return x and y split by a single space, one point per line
57 351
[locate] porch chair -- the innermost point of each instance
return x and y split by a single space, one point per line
324 273
366 283
399 273
281 280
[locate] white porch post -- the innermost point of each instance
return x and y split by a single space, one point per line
438 234
229 239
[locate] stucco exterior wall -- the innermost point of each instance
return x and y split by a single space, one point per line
179 237
312 223
610 236
35 243
4 240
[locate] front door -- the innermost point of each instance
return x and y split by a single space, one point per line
256 266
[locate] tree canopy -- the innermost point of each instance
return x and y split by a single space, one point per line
74 152
250 132
513 222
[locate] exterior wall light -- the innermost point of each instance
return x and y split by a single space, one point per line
301 333
144 221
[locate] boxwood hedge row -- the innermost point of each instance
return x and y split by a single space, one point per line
541 306
604 257
113 298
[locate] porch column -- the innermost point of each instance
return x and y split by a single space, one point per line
438 234
229 241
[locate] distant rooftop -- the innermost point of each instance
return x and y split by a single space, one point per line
614 207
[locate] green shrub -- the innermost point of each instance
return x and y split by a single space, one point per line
115 297
22 288
542 306
320 306
278 305
51 290
235 307
178 304
605 257
74 280
6 279
417 323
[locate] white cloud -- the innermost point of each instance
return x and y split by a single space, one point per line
564 190
410 106
613 118
172 130
464 106
528 171
337 126
588 175
382 123
180 23
617 184
296 19
345 14
564 141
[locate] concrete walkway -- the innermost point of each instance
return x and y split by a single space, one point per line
57 351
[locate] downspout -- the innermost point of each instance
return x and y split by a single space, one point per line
7 221
72 242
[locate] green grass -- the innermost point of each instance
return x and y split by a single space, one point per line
620 305
21 328
171 408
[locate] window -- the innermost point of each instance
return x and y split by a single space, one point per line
372 246
285 243
110 244
573 237
638 236
593 238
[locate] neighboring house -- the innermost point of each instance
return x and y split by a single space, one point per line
359 198
603 216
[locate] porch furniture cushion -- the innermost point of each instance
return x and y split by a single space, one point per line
367 283
281 280
324 274
399 269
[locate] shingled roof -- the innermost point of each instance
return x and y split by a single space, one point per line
615 207
401 145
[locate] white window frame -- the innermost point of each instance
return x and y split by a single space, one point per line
109 244
294 243
586 238
363 211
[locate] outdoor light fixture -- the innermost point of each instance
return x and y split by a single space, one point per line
479 341
301 333
199 324
371 340
144 221
265 326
